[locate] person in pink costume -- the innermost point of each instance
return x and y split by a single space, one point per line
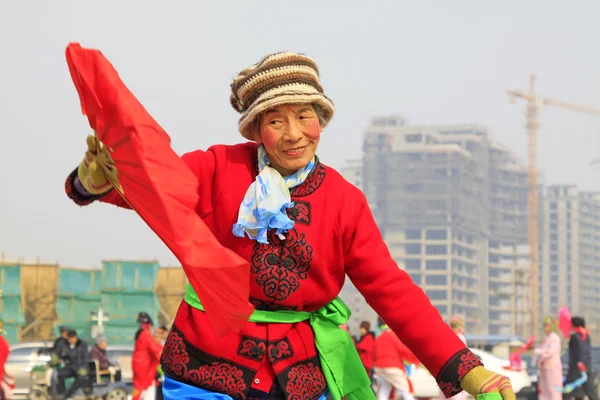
549 364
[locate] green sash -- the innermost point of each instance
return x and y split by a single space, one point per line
341 365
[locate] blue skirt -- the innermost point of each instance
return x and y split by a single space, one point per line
175 390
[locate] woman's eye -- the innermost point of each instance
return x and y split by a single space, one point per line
275 122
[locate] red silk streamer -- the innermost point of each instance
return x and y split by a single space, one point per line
158 185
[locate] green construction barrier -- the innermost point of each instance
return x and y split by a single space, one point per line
129 275
11 302
78 296
127 289
10 279
117 333
122 309
76 281
11 333
75 311
11 309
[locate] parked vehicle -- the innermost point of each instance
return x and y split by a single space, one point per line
532 368
101 386
426 387
24 357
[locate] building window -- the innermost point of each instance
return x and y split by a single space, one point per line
416 278
436 280
413 234
437 249
413 187
413 249
412 264
553 205
416 138
437 294
436 265
442 310
437 234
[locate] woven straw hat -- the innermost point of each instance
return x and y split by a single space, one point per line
277 79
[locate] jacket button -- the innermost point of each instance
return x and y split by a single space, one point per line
257 381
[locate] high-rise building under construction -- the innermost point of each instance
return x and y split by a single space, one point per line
452 206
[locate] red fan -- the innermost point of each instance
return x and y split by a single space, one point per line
564 321
158 185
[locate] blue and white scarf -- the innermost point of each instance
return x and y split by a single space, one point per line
265 203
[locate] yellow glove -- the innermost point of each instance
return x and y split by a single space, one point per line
479 381
90 173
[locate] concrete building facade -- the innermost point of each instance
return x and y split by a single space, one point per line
451 205
570 254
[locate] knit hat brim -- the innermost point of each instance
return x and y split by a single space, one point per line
289 94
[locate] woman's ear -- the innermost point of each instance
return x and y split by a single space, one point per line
256 135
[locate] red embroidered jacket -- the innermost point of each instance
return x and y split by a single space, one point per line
335 235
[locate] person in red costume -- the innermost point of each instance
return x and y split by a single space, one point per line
302 229
4 350
7 382
365 346
389 359
145 360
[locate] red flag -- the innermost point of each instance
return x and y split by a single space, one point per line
161 188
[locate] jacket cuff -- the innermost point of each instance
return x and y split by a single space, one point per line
450 375
75 193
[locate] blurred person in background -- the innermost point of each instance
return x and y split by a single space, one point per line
76 358
98 353
57 353
366 346
390 359
316 228
7 382
161 334
61 341
145 360
457 324
580 358
161 337
549 364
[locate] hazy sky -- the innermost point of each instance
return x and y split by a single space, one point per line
433 62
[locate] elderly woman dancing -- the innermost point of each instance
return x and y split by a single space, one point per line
302 228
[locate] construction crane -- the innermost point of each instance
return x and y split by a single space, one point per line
534 104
